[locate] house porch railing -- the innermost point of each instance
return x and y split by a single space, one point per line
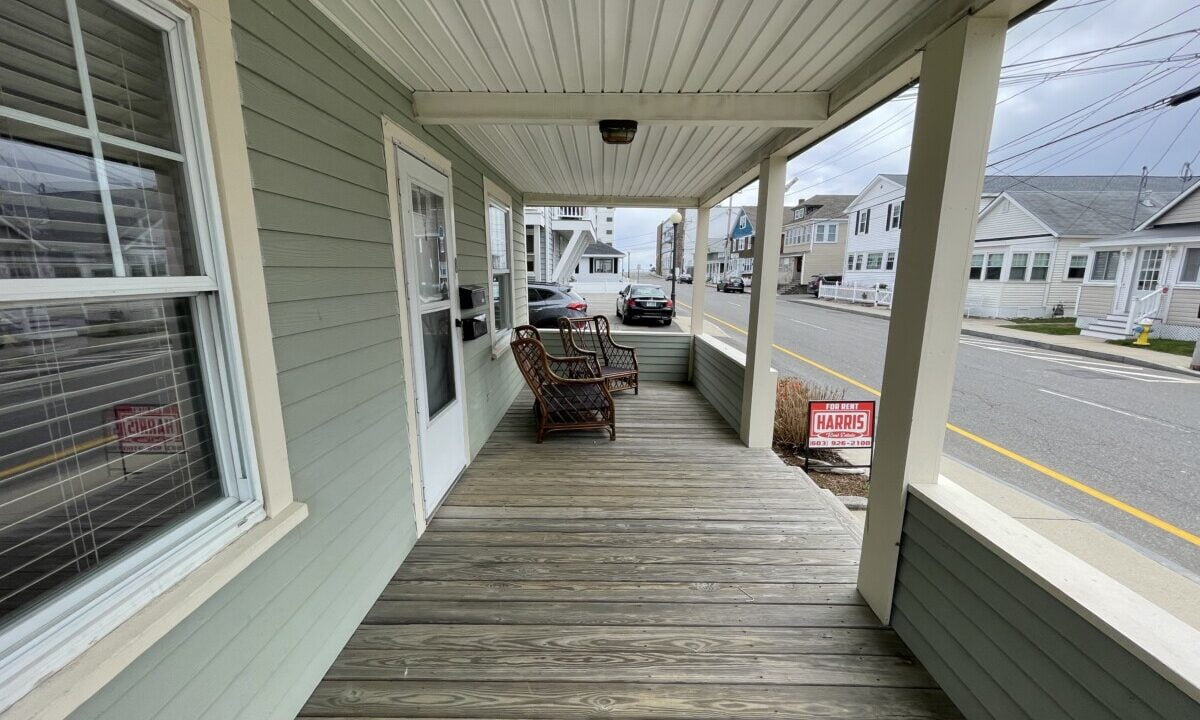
876 295
1144 308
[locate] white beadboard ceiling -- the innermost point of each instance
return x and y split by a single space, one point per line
846 48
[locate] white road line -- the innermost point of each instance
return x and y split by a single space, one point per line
1098 366
809 324
1113 409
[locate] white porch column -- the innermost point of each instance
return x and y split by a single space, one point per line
960 74
700 271
758 389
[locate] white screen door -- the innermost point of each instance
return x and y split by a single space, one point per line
430 286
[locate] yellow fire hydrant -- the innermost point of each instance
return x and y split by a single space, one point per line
1143 337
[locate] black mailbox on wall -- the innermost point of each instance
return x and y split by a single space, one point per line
472 296
474 327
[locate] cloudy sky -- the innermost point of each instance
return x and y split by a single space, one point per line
1068 94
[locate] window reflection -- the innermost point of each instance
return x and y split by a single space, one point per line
104 436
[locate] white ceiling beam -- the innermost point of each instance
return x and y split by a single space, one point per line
654 201
794 110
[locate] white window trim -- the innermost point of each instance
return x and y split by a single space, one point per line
1088 280
1033 264
971 266
1067 267
1180 280
174 574
1025 276
1003 266
494 195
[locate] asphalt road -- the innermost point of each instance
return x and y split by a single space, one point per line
1129 432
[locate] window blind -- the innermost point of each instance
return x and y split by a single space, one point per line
104 436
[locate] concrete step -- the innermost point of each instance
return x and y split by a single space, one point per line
1104 334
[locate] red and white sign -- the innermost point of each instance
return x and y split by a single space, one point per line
149 429
841 424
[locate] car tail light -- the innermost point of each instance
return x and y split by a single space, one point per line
629 303
670 304
580 306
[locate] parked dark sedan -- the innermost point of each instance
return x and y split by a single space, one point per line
550 301
731 283
644 302
815 282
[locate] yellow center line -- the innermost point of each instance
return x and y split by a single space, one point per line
1031 464
57 455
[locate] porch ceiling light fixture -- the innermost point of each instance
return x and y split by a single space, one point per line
618 132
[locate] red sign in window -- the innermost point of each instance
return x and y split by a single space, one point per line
841 424
148 429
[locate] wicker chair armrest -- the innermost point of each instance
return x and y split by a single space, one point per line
578 367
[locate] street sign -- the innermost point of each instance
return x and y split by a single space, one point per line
148 429
841 425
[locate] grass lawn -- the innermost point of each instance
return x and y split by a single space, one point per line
1175 347
1031 321
1048 328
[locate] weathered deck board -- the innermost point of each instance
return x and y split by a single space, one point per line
671 574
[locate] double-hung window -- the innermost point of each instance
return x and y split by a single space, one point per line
1018 267
1104 266
874 261
1076 267
124 457
825 233
995 266
1190 272
849 262
1041 266
498 209
890 264
862 221
976 271
895 211
858 262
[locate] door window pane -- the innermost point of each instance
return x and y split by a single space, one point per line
151 209
437 345
429 240
51 210
37 66
127 68
1149 269
104 436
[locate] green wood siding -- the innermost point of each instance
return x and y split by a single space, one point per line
661 356
1002 647
313 103
719 376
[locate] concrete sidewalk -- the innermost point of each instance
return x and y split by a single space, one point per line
995 330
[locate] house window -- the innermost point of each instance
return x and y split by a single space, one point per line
894 212
797 213
603 265
849 262
1018 267
124 451
890 264
1191 266
1104 267
994 267
499 242
874 261
858 262
825 233
1041 266
862 221
976 271
1076 267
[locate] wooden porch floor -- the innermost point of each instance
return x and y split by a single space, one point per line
671 574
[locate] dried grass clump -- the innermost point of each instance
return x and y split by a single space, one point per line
792 396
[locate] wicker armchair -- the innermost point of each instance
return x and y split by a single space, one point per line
573 398
590 337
